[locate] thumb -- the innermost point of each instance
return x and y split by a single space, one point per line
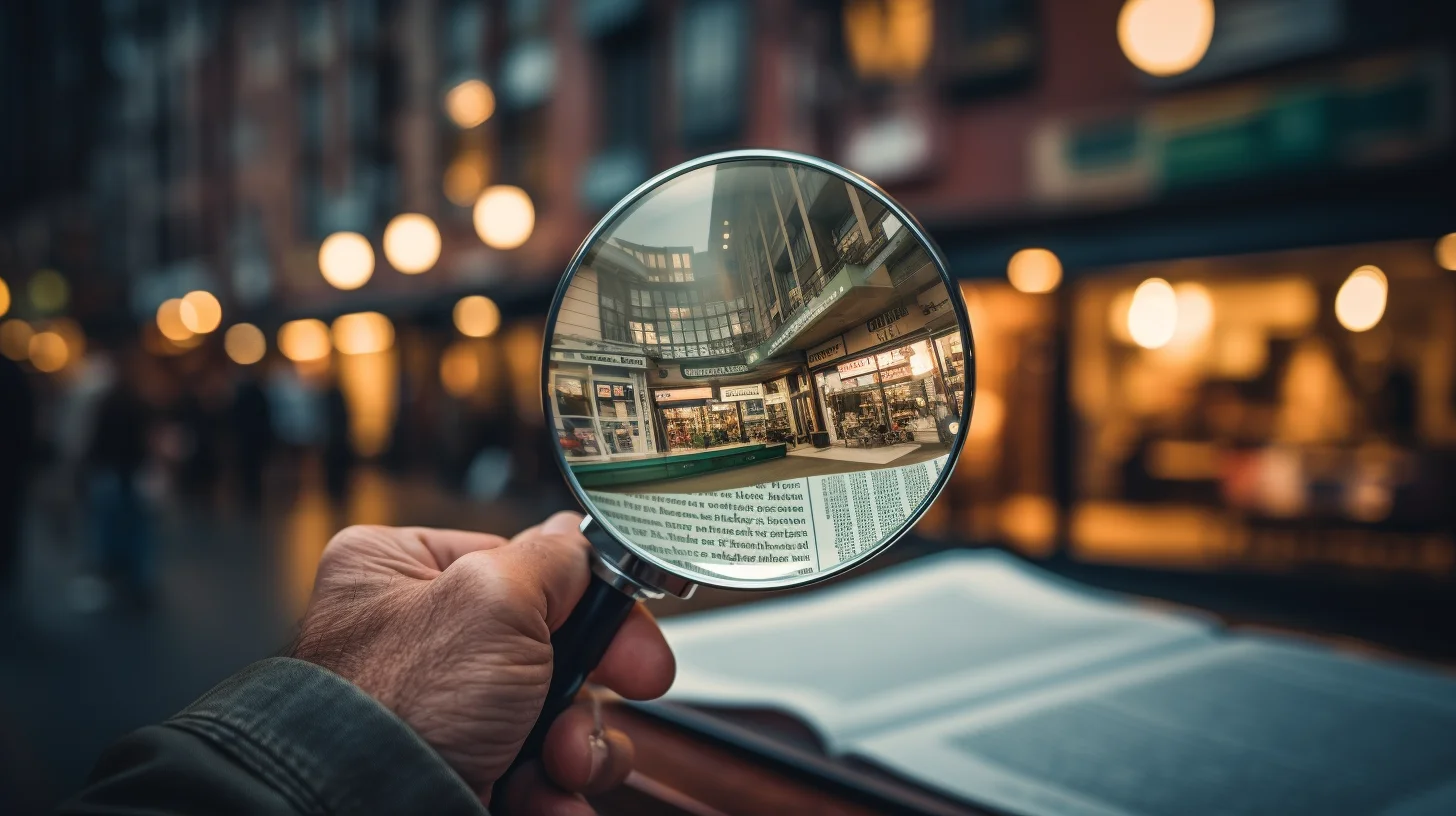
555 557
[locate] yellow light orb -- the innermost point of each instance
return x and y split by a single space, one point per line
504 216
346 260
412 243
49 291
1152 317
1360 303
304 340
1165 37
477 316
470 103
465 178
172 318
1195 312
460 370
245 343
1445 253
203 314
4 297
48 352
15 339
1035 271
362 333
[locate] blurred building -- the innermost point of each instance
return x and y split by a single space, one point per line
1253 423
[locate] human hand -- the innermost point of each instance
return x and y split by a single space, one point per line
452 632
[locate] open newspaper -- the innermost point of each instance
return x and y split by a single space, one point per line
977 675
777 528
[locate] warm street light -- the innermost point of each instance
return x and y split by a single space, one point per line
1152 319
362 333
1445 253
4 297
202 313
172 318
477 316
504 216
1035 271
470 103
1165 37
15 337
346 260
245 343
412 243
303 341
48 352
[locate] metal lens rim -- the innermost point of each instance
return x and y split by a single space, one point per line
957 302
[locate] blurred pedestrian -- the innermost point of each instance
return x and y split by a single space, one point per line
17 438
252 421
119 512
338 448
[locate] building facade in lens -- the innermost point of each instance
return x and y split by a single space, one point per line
813 316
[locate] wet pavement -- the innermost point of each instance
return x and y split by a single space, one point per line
231 584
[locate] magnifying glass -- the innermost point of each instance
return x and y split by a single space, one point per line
758 371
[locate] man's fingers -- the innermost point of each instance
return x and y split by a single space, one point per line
444 547
528 793
552 558
638 665
581 759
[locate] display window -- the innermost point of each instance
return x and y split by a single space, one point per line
702 426
890 397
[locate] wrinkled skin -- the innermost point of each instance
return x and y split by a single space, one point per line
451 631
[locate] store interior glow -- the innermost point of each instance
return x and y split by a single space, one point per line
304 340
362 333
1152 317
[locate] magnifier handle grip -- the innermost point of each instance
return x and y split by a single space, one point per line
578 647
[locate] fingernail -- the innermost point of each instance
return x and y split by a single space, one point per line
599 753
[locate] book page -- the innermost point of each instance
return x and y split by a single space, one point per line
910 642
798 526
1239 726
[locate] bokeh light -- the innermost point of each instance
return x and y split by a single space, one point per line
1035 271
465 178
172 318
362 333
504 216
48 352
1152 317
15 339
1445 253
460 369
477 316
1360 303
1195 313
412 243
201 312
470 103
304 340
245 343
4 297
1165 37
346 260
49 291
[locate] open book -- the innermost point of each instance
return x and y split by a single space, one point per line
979 676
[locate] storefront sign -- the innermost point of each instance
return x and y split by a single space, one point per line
604 391
860 366
683 394
730 406
714 371
898 320
832 350
733 393
599 358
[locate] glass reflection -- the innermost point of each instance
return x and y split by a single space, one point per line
757 371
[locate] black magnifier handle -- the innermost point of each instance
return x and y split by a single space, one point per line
578 646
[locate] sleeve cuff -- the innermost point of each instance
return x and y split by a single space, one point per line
325 744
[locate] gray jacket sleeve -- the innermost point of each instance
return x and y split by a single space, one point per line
282 736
